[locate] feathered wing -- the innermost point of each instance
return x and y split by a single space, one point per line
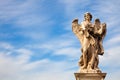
77 30
104 30
103 33
75 26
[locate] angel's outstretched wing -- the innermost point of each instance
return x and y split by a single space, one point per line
75 26
104 30
77 29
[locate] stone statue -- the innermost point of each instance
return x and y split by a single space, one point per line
91 36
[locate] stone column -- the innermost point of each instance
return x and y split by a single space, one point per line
90 76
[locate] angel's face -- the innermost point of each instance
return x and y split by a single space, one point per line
87 17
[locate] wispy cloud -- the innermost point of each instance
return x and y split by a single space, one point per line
111 56
62 45
113 41
40 69
25 18
23 13
74 8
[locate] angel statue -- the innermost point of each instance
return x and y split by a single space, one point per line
91 36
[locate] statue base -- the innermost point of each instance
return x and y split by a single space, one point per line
90 76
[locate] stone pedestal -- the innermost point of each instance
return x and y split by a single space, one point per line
90 76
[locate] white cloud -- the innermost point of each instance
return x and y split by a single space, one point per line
23 13
8 67
108 11
19 67
54 70
27 19
110 57
24 55
110 63
62 45
5 45
69 51
42 69
113 41
74 8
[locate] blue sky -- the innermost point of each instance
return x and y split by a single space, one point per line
37 42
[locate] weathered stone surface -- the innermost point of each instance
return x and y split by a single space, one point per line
90 76
91 36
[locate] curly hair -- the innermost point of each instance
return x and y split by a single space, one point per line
87 13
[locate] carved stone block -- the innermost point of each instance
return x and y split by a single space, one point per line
90 76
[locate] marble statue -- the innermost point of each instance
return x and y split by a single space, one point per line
91 36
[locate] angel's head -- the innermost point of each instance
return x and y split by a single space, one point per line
88 16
